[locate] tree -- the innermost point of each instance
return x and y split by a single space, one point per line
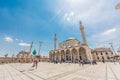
34 52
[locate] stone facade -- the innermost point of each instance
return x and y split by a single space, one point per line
71 53
24 56
100 54
118 50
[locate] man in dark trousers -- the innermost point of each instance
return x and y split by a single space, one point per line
81 63
36 63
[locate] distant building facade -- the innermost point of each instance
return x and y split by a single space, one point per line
6 59
102 53
24 56
118 50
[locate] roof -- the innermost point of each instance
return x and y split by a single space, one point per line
102 49
71 38
23 52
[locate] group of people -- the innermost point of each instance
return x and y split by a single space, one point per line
80 62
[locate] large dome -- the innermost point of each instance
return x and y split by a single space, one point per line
69 43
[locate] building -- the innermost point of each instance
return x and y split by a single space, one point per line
118 50
102 53
24 56
6 59
44 59
71 50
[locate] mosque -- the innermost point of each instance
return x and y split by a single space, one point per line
71 50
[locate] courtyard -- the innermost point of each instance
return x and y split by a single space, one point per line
64 71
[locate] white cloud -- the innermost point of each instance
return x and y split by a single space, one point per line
106 37
24 44
72 13
109 31
69 16
84 10
8 39
16 39
21 40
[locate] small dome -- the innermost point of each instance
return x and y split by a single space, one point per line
102 49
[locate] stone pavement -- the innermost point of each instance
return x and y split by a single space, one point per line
64 71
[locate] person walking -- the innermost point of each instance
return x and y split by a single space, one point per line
33 63
36 63
82 63
79 63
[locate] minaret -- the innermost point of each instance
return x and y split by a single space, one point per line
55 39
82 33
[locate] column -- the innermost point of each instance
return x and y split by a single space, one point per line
71 55
78 55
65 56
55 57
60 56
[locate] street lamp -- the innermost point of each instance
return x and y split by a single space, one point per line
112 48
113 51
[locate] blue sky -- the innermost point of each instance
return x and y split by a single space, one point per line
24 21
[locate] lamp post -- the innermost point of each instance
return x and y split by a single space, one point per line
112 48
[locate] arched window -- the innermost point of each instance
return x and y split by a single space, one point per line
106 53
102 57
98 58
108 57
101 53
96 53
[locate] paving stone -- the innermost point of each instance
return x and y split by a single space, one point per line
64 71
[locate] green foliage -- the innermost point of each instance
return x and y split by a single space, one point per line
34 52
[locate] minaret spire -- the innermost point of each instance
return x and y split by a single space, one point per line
83 33
55 39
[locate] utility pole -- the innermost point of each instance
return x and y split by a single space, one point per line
113 51
40 44
112 48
